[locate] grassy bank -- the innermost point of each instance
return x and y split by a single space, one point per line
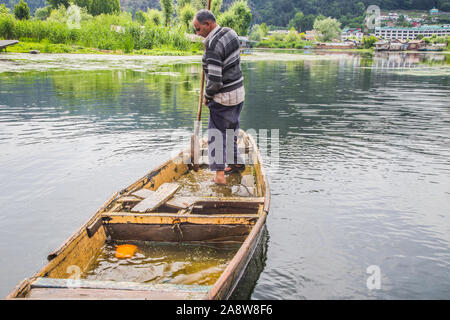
46 47
96 35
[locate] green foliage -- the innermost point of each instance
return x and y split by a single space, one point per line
140 17
256 33
58 15
83 4
7 26
301 22
21 11
435 39
104 6
155 17
296 22
280 12
57 3
4 9
369 42
167 10
216 6
329 28
226 19
187 15
263 28
292 36
237 17
43 13
95 32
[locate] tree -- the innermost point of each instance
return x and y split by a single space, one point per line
255 33
237 17
56 3
167 10
42 13
21 11
292 35
104 6
140 17
369 42
226 19
329 28
4 9
155 16
296 22
83 4
186 15
307 22
216 6
263 28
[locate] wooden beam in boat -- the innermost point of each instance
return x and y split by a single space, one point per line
176 232
105 294
164 192
171 219
48 288
240 202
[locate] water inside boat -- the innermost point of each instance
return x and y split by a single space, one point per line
163 262
194 184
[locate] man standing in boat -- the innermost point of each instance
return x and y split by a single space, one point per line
224 92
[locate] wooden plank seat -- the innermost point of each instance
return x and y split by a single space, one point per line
164 192
54 289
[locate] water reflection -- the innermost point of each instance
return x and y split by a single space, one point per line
363 176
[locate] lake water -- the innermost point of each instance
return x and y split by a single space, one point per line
362 182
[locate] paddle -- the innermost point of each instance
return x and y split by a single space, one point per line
195 143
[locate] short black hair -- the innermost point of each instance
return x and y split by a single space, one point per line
205 15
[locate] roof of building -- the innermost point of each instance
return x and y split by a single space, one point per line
422 28
351 30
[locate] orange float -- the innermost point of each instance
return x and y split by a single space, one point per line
125 251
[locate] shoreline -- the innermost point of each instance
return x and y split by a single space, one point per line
51 48
58 48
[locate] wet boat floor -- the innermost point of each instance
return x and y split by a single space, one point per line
163 262
200 184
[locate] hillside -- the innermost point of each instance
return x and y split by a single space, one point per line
279 12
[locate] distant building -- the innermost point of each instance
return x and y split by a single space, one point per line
244 42
310 35
416 44
351 32
434 11
278 31
389 33
335 45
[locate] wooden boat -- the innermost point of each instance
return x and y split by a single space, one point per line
153 209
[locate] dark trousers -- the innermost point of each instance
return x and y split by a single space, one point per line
223 125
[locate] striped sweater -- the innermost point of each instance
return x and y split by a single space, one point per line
221 62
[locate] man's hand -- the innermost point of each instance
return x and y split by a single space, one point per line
205 101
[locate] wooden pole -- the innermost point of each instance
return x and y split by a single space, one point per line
195 143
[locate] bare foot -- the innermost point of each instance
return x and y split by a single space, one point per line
220 178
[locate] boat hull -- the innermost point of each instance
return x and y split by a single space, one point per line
207 219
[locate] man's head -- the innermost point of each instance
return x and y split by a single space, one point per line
204 22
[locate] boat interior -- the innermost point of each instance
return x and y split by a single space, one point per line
190 235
